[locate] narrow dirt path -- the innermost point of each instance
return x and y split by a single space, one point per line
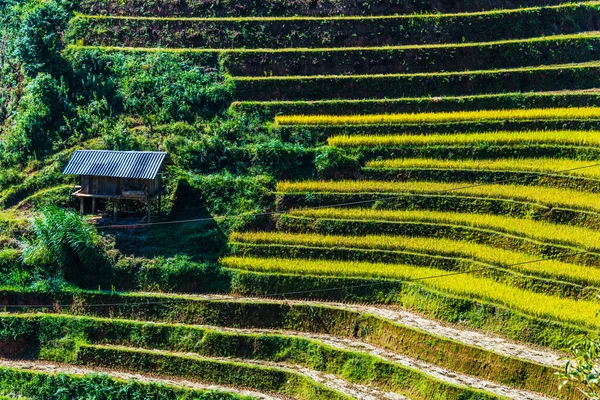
57 368
470 337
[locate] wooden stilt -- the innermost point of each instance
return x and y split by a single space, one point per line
115 205
81 205
93 205
149 210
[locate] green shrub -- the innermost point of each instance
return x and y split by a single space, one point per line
64 241
237 196
334 162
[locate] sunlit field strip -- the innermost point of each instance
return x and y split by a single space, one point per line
572 138
541 39
454 248
535 194
454 116
348 17
542 231
560 166
579 312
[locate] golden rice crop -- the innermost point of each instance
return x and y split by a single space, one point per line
542 305
542 195
537 230
578 113
446 247
574 138
560 166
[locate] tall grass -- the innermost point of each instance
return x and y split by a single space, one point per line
537 230
577 138
454 116
542 195
446 247
579 312
562 166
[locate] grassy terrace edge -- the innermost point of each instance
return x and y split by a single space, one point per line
266 32
334 321
212 343
522 79
270 109
555 49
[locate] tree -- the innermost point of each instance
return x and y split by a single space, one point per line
583 369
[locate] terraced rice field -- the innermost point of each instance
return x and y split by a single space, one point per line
468 218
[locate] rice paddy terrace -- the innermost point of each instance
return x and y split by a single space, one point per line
453 254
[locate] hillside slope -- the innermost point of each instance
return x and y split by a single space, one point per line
438 160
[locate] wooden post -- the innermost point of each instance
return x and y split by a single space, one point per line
81 205
149 210
115 204
93 205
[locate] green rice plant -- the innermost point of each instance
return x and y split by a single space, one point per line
574 138
580 312
454 248
540 195
542 231
550 165
455 116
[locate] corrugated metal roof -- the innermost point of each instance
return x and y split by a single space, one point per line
116 164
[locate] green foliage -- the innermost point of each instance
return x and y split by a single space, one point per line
268 110
332 33
59 337
41 124
39 42
582 369
228 195
324 319
388 60
334 162
539 78
64 241
158 87
216 8
176 274
98 387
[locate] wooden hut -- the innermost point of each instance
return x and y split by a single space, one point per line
117 175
